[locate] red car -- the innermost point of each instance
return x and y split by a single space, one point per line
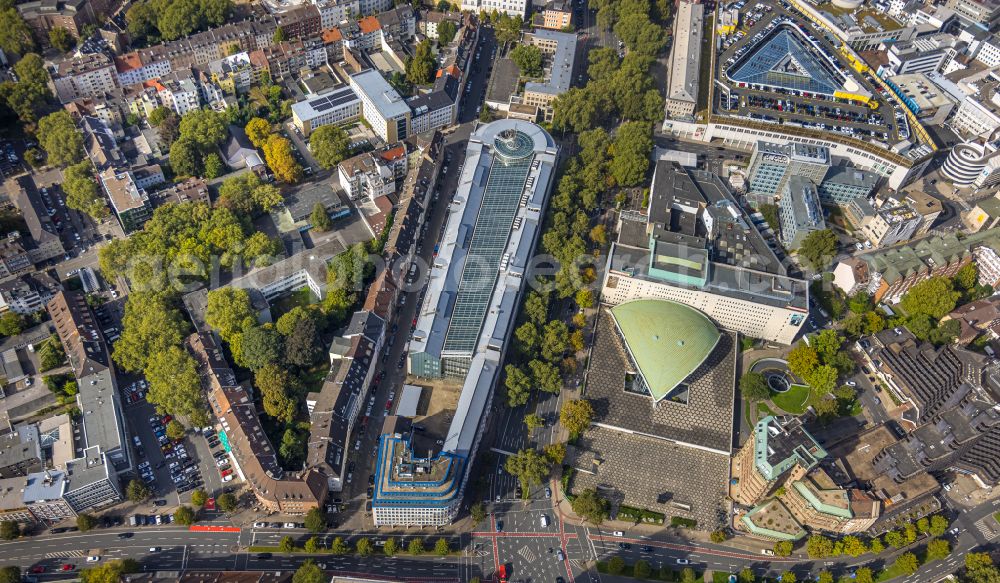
166 419
227 472
38 569
67 567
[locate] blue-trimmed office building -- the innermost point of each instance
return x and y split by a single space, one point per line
473 292
412 490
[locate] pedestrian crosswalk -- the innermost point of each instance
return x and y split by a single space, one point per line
527 554
64 555
987 527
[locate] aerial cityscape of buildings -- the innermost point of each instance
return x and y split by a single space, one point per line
500 290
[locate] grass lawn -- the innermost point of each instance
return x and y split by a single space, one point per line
890 572
763 411
794 400
300 297
996 516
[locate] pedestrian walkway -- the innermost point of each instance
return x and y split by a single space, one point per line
527 554
987 527
64 555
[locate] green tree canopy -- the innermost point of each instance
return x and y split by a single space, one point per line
11 574
753 385
319 218
229 311
60 139
85 522
545 376
226 502
630 153
934 297
151 324
82 192
575 415
907 563
206 127
818 248
174 384
530 467
199 497
60 38
938 549
528 59
309 572
258 346
137 491
330 144
11 323
590 506
446 32
421 67
15 34
315 520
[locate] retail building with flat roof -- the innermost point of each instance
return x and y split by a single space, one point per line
685 59
695 245
473 290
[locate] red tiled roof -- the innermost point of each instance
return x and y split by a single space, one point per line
369 24
394 153
332 35
127 62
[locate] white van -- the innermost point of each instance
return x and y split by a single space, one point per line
545 521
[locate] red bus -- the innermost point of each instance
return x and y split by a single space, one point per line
502 574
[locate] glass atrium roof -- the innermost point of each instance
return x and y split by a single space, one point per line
785 60
504 188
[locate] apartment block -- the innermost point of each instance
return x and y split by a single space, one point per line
88 76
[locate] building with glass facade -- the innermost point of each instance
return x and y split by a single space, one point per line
771 165
486 245
843 184
800 211
468 312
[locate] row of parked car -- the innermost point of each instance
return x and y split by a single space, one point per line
146 520
220 455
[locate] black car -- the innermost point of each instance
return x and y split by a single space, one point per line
57 530
124 535
160 502
646 549
624 546
263 556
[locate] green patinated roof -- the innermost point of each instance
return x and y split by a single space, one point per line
667 340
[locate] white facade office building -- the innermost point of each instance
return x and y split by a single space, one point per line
381 106
510 7
339 106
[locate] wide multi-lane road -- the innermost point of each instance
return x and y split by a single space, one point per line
178 549
515 535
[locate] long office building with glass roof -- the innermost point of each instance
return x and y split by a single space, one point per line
473 292
486 247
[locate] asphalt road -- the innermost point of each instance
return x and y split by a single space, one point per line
392 374
522 544
479 77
